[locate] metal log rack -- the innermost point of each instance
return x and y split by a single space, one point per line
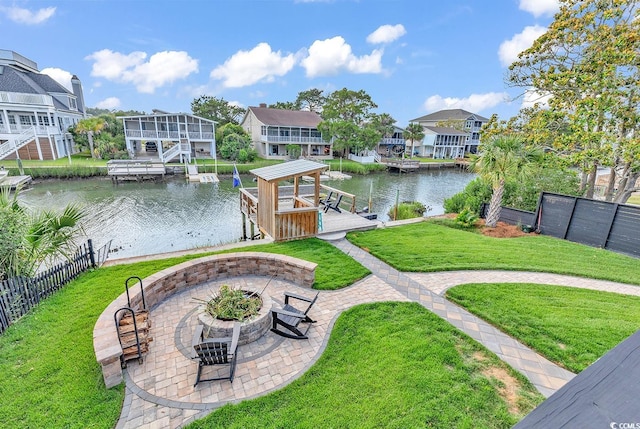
133 326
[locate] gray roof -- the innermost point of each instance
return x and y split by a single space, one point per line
286 118
454 114
446 130
14 80
289 169
606 392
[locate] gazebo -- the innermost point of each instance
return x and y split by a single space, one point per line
284 219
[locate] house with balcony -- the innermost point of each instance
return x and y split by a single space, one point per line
393 145
169 136
35 111
272 131
450 133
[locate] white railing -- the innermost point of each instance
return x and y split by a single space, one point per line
390 141
292 139
23 98
178 149
23 139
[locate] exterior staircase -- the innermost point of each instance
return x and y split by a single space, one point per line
176 150
23 139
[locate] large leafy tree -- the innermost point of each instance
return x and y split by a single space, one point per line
30 240
414 132
347 119
500 159
109 142
235 143
588 63
217 109
311 99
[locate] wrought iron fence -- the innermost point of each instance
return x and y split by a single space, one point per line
18 295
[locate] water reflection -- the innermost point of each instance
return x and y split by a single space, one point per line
146 218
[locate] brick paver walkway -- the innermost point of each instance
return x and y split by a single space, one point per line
160 391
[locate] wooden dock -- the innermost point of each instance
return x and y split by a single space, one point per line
13 182
402 165
135 169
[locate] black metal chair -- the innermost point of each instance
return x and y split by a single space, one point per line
326 199
335 205
289 317
215 352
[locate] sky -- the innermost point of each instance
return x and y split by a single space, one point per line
413 57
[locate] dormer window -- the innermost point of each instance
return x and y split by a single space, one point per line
72 103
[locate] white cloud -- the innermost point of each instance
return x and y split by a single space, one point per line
245 68
533 96
509 49
330 56
25 16
386 34
161 69
63 77
109 103
540 7
473 103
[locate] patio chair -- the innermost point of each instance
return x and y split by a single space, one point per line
287 319
215 352
326 199
335 205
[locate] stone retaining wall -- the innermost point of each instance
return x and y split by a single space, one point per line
165 283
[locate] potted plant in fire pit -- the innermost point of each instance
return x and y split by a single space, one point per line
227 305
232 304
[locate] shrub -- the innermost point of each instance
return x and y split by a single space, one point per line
232 304
466 218
408 210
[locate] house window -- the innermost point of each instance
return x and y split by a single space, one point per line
43 120
72 103
27 120
263 130
468 125
12 120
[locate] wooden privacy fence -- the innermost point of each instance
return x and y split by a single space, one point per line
18 295
610 226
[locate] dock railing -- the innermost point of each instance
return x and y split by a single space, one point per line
348 200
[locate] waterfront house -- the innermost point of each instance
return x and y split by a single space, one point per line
450 133
273 130
393 145
168 136
35 110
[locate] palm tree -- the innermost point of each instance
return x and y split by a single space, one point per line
91 126
33 239
503 157
413 132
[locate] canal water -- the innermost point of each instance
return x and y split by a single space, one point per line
143 218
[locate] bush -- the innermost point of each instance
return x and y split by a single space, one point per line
466 219
471 198
408 210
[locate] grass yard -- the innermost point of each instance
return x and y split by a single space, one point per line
569 326
427 247
50 377
391 365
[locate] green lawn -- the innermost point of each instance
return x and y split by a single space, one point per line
50 377
391 365
571 327
427 246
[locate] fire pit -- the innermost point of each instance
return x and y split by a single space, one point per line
251 328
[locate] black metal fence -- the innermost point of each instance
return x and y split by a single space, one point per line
18 295
610 226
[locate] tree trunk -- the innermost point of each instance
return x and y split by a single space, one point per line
591 182
630 187
90 138
611 185
495 206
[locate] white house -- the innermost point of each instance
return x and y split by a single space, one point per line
272 130
450 133
35 110
168 136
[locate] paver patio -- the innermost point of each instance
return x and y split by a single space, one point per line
160 391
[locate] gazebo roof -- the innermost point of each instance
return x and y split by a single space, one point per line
287 170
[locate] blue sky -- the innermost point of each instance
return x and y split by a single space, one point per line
412 57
